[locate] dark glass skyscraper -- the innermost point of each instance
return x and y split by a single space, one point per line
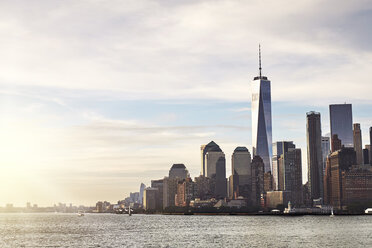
314 155
261 119
341 118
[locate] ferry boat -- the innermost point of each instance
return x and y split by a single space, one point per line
368 211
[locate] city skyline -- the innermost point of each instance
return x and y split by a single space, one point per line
93 105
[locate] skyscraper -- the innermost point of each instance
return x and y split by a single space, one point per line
257 180
142 188
261 118
279 148
293 174
314 154
357 137
211 146
241 172
179 170
341 118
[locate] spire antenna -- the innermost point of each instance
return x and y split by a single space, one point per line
259 59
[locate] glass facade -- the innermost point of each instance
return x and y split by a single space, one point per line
261 120
342 123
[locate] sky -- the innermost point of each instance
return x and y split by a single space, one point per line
98 96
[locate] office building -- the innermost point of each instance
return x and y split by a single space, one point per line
149 198
158 184
370 146
203 187
240 180
185 192
257 180
365 156
142 188
261 118
179 171
341 118
357 137
211 146
314 155
277 174
220 180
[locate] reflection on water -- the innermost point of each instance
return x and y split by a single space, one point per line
107 230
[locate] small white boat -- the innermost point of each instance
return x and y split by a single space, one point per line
80 214
332 215
368 211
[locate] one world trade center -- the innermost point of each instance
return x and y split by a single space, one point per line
261 118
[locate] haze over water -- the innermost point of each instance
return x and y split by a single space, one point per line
104 230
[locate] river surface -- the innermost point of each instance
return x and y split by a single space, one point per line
109 230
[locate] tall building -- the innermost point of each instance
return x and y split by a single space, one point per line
314 155
142 188
341 118
261 118
293 175
178 170
257 180
366 156
220 191
211 146
185 192
326 150
158 184
211 154
279 148
149 198
357 138
240 180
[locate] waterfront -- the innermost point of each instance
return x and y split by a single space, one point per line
107 230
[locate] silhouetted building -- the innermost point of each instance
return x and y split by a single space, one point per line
366 156
293 175
158 184
335 143
357 134
257 180
220 179
240 180
261 119
314 155
279 148
341 118
268 181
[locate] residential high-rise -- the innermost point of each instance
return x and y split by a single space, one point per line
279 148
341 118
314 155
257 180
326 150
261 118
241 172
357 137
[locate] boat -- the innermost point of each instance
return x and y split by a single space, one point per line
129 211
80 214
368 211
332 215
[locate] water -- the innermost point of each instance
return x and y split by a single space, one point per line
108 230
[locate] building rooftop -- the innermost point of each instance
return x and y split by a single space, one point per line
178 166
241 149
